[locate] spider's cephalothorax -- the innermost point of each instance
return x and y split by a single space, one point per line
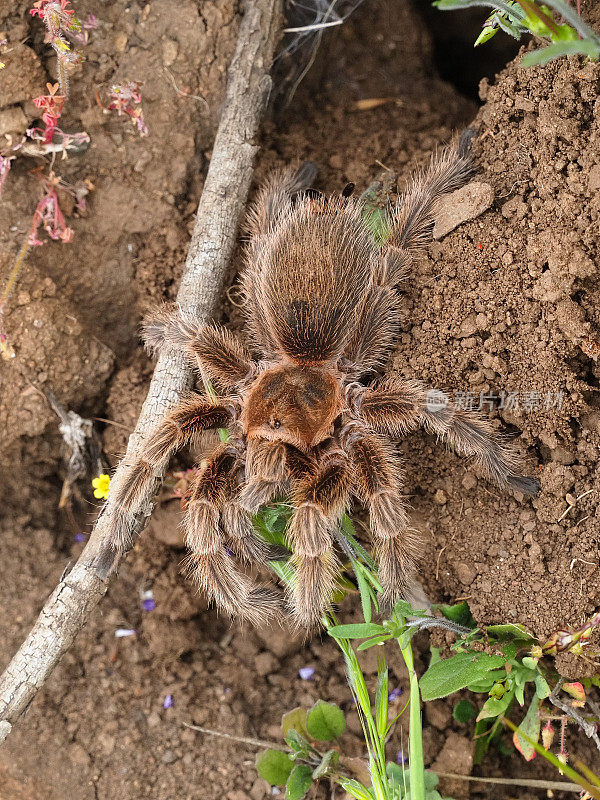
304 421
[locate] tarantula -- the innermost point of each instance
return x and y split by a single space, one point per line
304 421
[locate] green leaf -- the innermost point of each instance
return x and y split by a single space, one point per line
365 593
328 762
509 633
381 699
464 711
374 641
361 630
297 743
299 782
486 683
494 707
296 720
325 721
530 727
485 35
355 788
448 676
558 49
404 609
459 613
530 663
542 689
435 655
274 766
406 637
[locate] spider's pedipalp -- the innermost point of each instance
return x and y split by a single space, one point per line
193 415
265 474
216 351
319 499
378 482
209 563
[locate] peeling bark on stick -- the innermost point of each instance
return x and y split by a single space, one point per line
223 199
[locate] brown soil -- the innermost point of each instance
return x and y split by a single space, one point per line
506 303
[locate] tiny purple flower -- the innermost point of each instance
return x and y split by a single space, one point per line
229 552
306 673
79 537
168 702
401 758
148 604
395 694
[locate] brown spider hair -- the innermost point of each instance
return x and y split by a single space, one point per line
304 420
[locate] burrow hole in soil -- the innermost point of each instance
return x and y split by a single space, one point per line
455 58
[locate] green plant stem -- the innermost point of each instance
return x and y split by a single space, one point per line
415 732
375 743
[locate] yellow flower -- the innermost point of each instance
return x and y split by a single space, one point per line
101 484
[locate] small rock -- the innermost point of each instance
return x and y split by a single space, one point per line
456 756
260 789
353 723
280 641
154 719
466 573
438 714
170 51
594 178
516 206
79 756
469 325
13 120
165 524
265 664
431 744
168 757
120 41
469 481
440 497
462 205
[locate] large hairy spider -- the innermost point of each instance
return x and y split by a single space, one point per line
304 421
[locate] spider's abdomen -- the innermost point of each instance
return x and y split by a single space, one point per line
310 274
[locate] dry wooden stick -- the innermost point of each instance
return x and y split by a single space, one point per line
223 199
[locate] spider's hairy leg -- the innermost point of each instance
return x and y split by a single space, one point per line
209 563
378 483
319 499
414 215
468 434
217 352
275 196
397 406
265 474
190 417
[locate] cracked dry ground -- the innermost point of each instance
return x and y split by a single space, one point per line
507 302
